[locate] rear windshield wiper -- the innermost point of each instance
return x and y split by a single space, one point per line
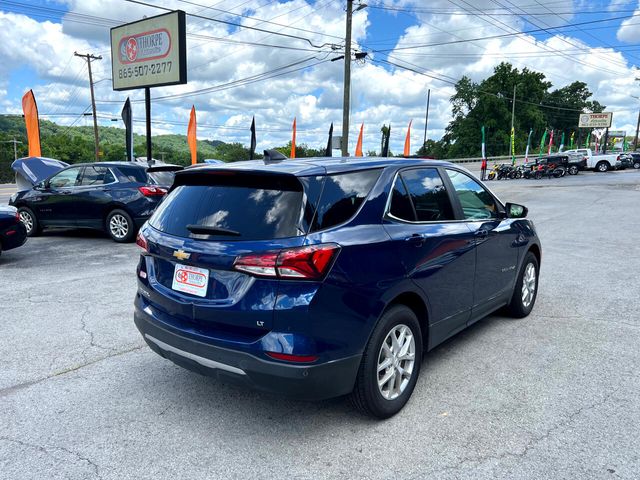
211 230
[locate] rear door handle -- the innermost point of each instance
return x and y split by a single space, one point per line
415 239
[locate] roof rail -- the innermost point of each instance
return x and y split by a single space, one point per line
273 156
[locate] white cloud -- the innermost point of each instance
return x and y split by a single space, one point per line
380 93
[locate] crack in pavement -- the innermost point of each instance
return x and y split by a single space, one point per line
14 388
46 449
529 446
84 328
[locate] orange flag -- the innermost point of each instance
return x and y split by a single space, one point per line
293 140
407 141
191 136
359 144
30 110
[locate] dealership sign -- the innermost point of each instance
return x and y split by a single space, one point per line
595 120
150 52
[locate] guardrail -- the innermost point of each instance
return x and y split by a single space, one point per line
490 160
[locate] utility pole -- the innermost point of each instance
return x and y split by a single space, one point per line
426 120
15 146
347 81
89 58
635 140
513 106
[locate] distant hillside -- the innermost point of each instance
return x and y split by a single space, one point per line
76 144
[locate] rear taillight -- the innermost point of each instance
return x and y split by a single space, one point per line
150 191
141 241
304 263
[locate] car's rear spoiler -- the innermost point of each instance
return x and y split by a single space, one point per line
165 168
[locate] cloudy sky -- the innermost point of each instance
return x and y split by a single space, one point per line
282 68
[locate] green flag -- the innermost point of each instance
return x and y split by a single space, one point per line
561 143
513 146
588 141
571 140
543 141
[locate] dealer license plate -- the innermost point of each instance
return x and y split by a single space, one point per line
191 280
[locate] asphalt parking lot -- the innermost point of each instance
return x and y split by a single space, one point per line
554 395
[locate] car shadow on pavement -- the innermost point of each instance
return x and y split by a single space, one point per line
195 396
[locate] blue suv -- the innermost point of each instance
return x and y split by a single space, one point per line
328 276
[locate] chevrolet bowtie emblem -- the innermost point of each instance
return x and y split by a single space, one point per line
181 255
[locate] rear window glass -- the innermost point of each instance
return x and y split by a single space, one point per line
342 195
162 178
133 174
254 213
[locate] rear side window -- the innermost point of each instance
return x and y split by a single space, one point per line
253 212
427 193
94 175
133 174
342 196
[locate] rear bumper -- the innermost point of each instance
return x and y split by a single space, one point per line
13 237
307 382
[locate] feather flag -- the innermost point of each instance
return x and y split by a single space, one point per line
513 146
550 142
30 110
484 153
252 149
359 143
293 140
191 136
543 141
407 141
526 152
385 143
561 143
588 140
571 140
328 152
127 118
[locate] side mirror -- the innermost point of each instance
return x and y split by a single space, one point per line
516 211
41 186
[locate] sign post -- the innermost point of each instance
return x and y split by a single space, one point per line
149 53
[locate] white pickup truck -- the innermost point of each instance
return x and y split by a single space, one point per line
600 162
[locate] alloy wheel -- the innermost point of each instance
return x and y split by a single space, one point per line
528 285
119 226
396 361
27 220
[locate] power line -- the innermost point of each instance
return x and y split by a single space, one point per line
225 22
276 72
503 35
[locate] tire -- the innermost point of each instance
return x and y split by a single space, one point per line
636 165
602 167
120 226
518 174
538 175
526 290
386 399
30 221
491 176
573 170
